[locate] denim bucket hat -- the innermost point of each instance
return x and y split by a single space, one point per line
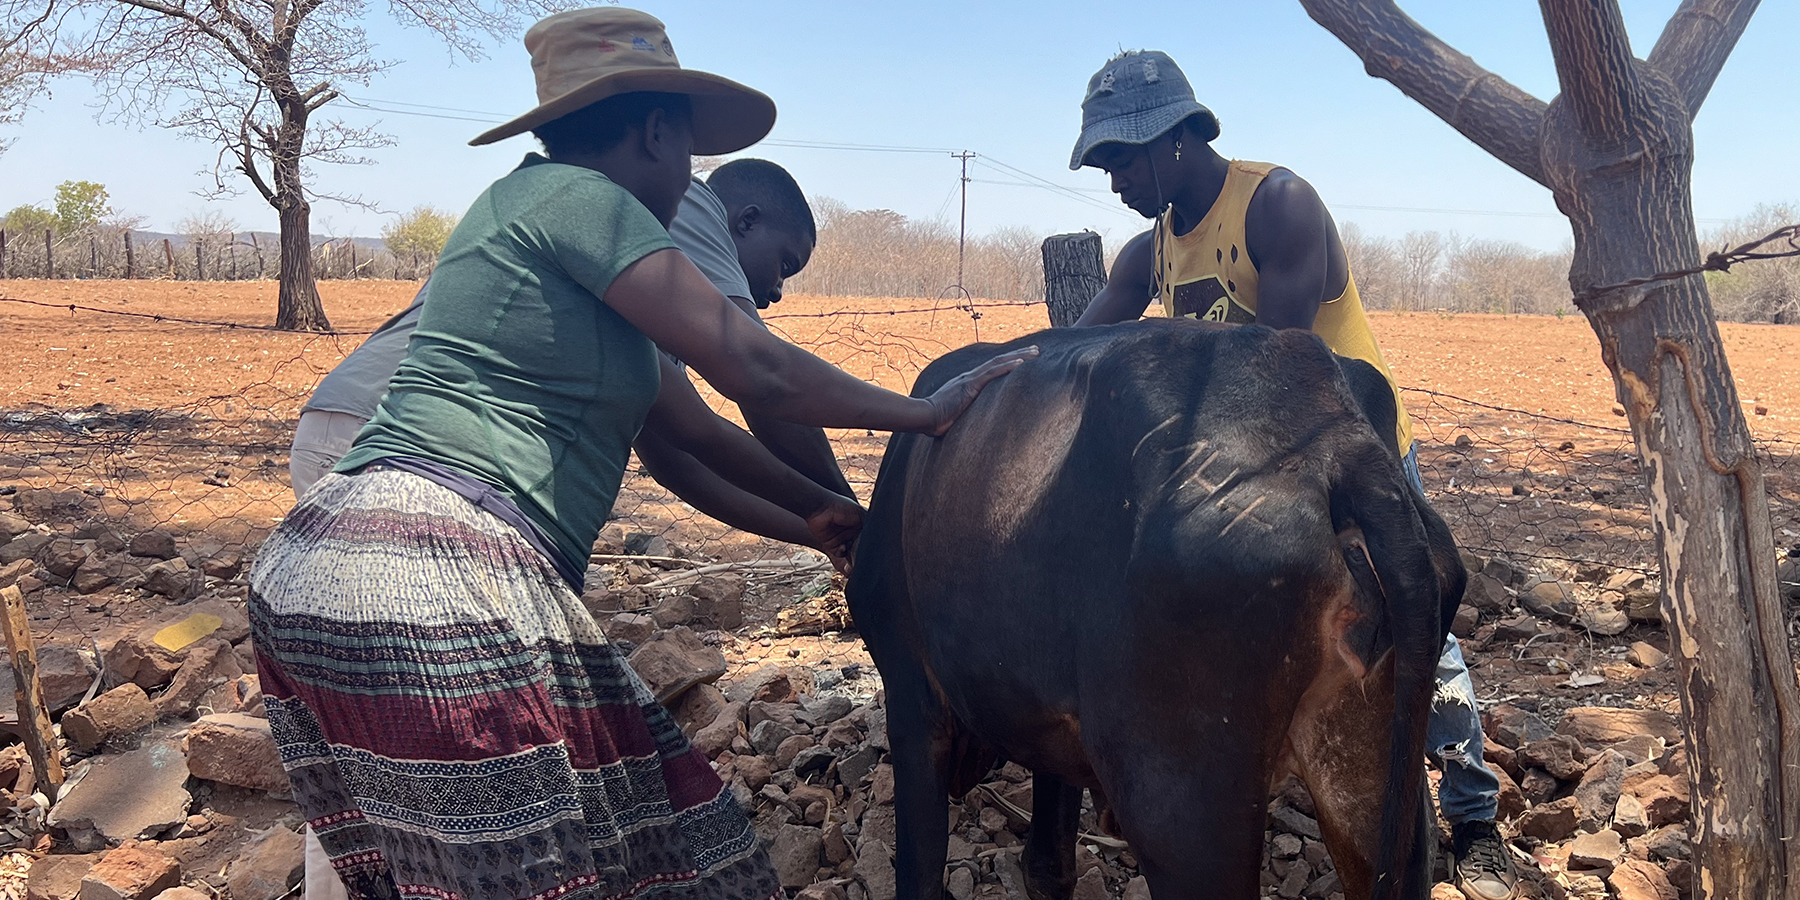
1134 99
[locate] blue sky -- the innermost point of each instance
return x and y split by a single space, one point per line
1003 79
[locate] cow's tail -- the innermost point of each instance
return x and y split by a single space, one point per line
1381 503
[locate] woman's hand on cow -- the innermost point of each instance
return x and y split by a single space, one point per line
949 401
834 528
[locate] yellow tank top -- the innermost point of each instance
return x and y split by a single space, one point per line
1207 274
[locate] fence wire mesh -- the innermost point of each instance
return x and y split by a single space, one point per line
117 424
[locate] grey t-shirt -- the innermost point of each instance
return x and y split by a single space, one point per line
357 384
701 231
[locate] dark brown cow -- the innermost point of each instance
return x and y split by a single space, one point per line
1169 564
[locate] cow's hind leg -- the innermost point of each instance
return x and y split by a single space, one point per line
1049 857
1340 741
1194 814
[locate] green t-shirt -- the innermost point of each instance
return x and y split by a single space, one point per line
518 374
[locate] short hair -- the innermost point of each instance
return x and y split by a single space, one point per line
1203 125
599 127
743 182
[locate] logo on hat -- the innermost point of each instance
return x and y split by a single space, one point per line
605 46
638 43
668 48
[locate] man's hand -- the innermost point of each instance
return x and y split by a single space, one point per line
949 401
834 529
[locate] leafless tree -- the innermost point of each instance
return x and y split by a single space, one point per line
1420 254
253 78
1616 149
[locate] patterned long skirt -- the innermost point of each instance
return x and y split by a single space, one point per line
457 726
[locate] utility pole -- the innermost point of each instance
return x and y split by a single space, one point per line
962 230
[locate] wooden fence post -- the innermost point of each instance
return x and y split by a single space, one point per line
352 244
94 254
130 258
49 256
2 253
28 692
231 251
169 254
1074 271
199 261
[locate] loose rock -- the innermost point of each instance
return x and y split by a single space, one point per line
1629 818
1638 880
875 867
1599 789
795 854
1553 821
155 544
130 873
118 714
1607 725
58 877
269 867
630 628
676 660
209 664
140 794
1558 754
172 578
1597 850
236 749
1646 655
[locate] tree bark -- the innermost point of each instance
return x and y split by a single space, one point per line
298 307
1074 271
1616 150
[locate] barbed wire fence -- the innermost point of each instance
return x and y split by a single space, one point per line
93 464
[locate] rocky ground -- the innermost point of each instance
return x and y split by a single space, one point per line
175 790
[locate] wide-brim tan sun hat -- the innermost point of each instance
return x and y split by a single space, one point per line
583 56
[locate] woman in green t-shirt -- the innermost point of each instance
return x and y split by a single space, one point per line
454 723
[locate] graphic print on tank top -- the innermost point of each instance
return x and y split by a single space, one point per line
1213 297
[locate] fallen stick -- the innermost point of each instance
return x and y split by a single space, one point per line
1110 843
34 712
781 566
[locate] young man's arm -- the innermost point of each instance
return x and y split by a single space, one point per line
804 448
1289 235
1127 291
743 486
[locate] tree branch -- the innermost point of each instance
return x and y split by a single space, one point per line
247 161
1595 67
1696 42
1498 117
206 28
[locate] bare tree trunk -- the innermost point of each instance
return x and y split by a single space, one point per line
1074 271
1616 149
1618 153
298 307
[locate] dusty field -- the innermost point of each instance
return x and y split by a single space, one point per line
154 423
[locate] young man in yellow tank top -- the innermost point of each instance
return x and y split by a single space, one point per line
1252 243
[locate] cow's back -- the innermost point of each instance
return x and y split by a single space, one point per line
1123 500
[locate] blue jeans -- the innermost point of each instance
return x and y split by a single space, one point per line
1469 791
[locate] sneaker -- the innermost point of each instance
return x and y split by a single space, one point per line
1484 868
